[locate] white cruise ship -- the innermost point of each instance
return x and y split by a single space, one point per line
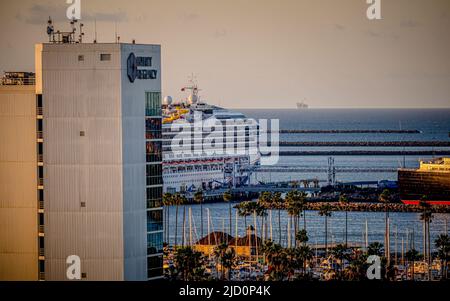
194 161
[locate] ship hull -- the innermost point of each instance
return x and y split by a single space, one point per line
416 202
416 185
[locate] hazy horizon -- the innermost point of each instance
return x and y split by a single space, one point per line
266 54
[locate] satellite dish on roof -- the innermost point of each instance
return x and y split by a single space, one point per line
167 100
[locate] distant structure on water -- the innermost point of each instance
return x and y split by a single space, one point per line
302 105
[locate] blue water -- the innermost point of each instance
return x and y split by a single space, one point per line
434 125
401 223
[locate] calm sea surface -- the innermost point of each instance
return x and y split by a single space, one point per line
434 125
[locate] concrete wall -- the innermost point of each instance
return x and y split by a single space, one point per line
134 160
105 168
83 96
18 184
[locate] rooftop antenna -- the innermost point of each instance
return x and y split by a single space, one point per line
80 37
95 31
115 31
72 24
50 29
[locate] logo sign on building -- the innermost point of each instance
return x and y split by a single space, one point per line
138 67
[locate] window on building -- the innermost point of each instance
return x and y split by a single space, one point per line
81 58
152 103
154 174
154 266
154 243
154 197
154 151
153 128
105 57
154 220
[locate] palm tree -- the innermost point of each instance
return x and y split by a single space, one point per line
304 201
167 202
302 237
277 201
189 264
339 252
304 254
243 210
265 200
343 200
426 216
227 196
261 211
178 200
220 253
229 261
357 268
442 244
198 198
295 206
325 211
276 260
412 256
294 211
375 248
385 199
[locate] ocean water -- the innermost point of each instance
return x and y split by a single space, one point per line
433 124
402 226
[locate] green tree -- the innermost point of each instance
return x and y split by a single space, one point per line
189 264
385 198
325 211
375 248
343 200
226 257
167 202
265 200
278 203
426 216
442 244
412 256
302 237
198 198
305 254
243 210
227 197
295 206
178 199
339 253
357 268
276 259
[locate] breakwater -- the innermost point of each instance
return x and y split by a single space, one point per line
375 207
298 131
367 143
366 153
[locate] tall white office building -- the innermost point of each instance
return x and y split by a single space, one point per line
101 171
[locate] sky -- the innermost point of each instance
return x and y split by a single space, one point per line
265 54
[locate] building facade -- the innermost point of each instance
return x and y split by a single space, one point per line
97 157
19 231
